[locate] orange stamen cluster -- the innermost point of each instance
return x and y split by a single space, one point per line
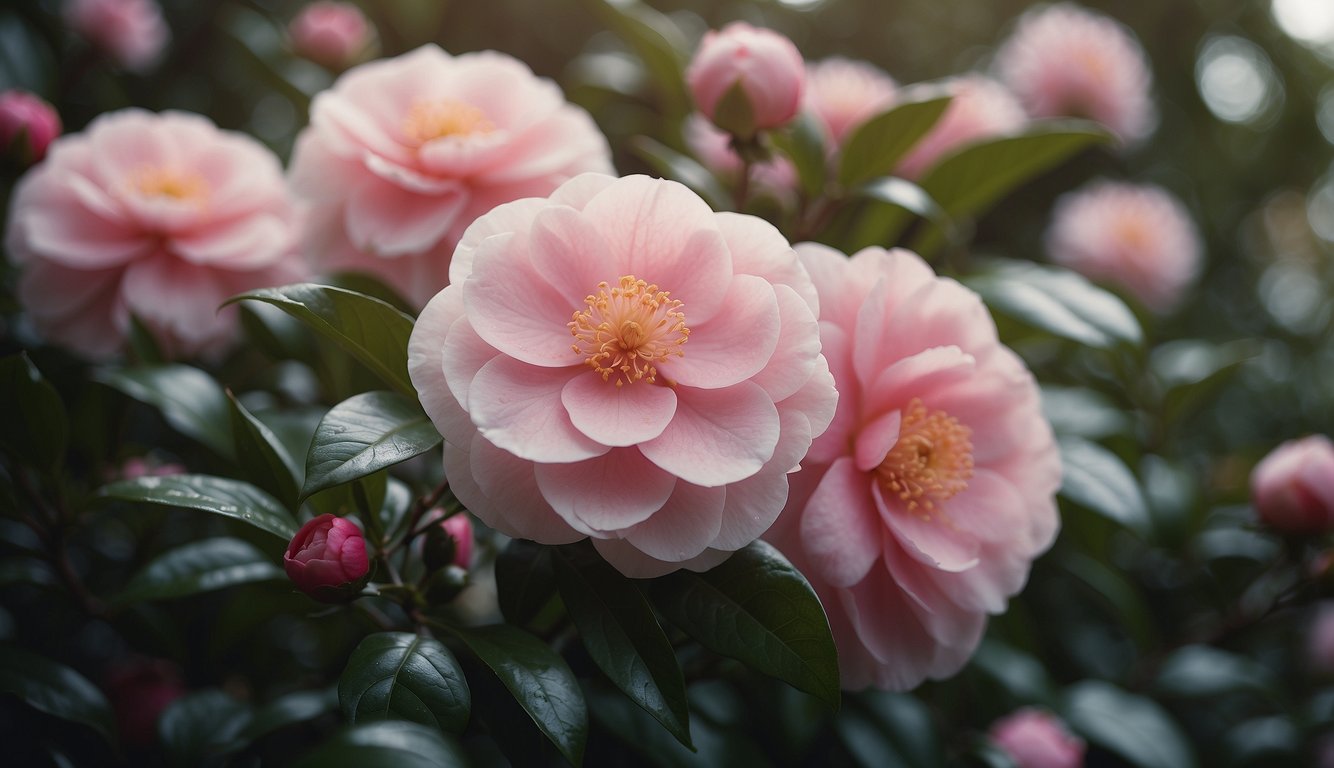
625 331
430 120
171 183
931 462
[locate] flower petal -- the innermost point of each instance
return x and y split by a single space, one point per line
736 344
750 509
929 538
516 311
607 493
569 253
876 439
624 557
510 485
684 527
388 220
517 406
840 526
617 416
717 436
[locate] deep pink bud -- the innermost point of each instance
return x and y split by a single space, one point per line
139 690
27 125
1036 739
1293 487
760 66
327 559
459 528
332 34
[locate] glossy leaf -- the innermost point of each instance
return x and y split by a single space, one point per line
760 610
905 195
386 744
1021 675
202 727
658 42
189 399
262 455
715 744
1081 412
884 728
673 165
218 495
1200 670
874 148
1059 302
200 566
403 676
803 142
55 689
34 428
1134 727
1097 479
363 435
525 582
288 710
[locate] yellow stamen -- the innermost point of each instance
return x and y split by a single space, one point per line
931 462
624 331
430 120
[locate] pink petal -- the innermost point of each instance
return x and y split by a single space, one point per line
578 191
514 216
247 243
876 439
608 493
430 334
929 539
569 253
718 436
178 301
463 354
735 344
758 248
388 220
794 440
940 313
617 416
408 179
70 221
511 488
517 406
920 375
837 352
627 559
750 509
794 359
80 309
989 508
684 527
840 526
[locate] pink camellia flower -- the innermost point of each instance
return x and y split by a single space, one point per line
620 362
1293 487
402 154
920 509
1066 61
157 216
843 94
28 125
1037 739
332 34
764 65
131 32
981 109
327 559
139 691
776 177
1136 236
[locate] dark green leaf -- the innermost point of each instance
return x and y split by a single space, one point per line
201 728
386 744
525 582
1081 412
284 711
189 399
1097 479
758 609
33 426
219 495
398 675
1057 301
1199 670
200 566
715 744
1119 595
1022 676
673 165
25 570
658 42
1193 370
875 147
363 435
804 144
1132 726
906 195
262 455
883 728
55 689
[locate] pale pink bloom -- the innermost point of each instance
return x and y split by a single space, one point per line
843 94
1065 61
28 125
332 34
919 510
620 362
159 216
776 177
131 32
1293 487
1037 739
402 154
1135 236
765 65
981 109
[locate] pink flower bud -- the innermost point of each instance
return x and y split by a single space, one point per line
327 559
131 32
1293 487
459 528
27 126
1037 739
332 34
746 79
1320 641
139 690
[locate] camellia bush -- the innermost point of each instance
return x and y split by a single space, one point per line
823 382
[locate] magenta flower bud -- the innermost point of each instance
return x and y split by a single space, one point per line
28 125
459 528
1036 739
746 79
327 559
139 690
332 34
1293 487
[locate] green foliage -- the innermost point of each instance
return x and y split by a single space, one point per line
402 676
33 426
190 400
385 744
363 435
874 148
56 690
235 499
200 566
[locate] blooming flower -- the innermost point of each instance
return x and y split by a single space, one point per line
918 512
159 216
28 125
327 559
620 362
402 154
1293 487
131 32
1037 739
766 67
1063 60
1139 237
776 177
843 94
332 34
981 108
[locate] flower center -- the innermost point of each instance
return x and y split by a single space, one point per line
430 120
931 462
625 330
170 183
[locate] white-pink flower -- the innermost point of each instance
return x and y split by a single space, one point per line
1066 61
332 34
1136 236
1034 738
981 108
402 154
131 32
843 94
620 362
159 216
1293 486
919 510
776 177
764 65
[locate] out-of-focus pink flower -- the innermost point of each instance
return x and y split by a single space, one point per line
131 32
1037 739
28 125
766 67
620 362
1136 236
459 529
159 216
402 154
1320 641
1293 487
141 466
139 690
1065 61
982 108
776 177
327 559
332 34
919 510
844 93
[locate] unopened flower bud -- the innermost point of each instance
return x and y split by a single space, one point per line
449 543
332 34
1036 739
747 79
28 125
327 559
1293 487
139 690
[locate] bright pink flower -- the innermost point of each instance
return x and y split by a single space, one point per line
765 65
1066 61
982 108
1293 487
159 216
131 32
403 154
139 691
327 559
844 93
332 34
28 125
459 528
620 362
1139 237
918 511
776 177
1037 739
